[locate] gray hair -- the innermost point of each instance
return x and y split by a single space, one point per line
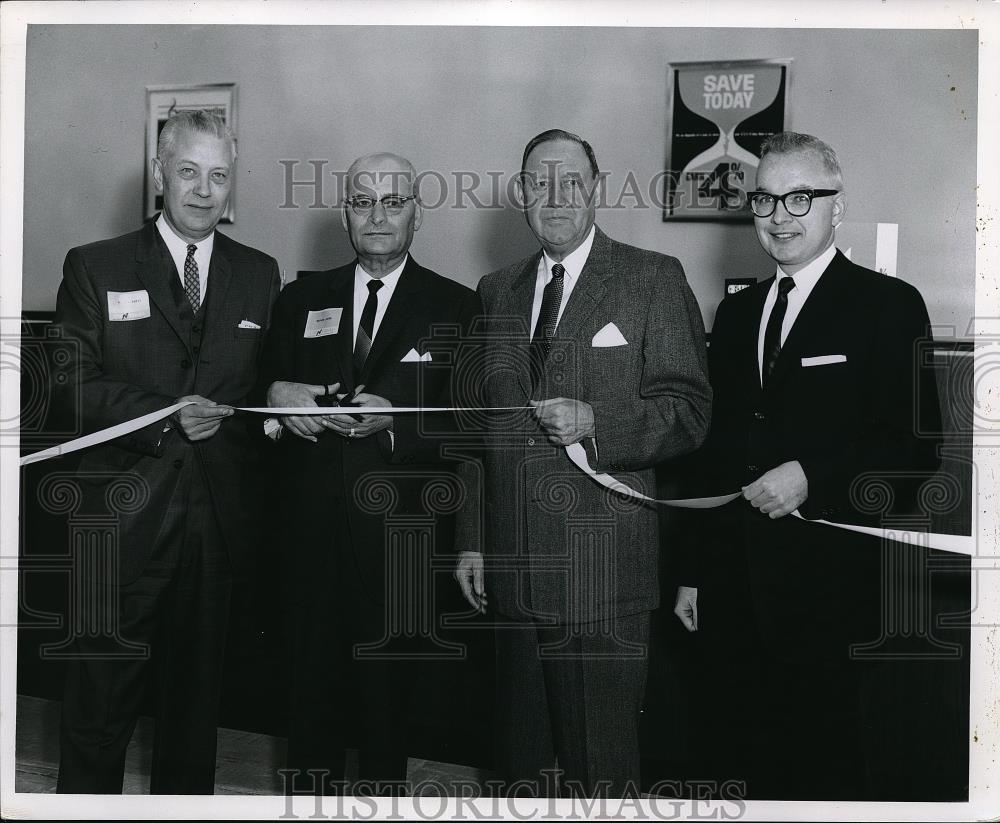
788 142
196 120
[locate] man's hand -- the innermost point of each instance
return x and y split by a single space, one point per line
347 426
469 574
686 607
299 396
199 421
565 421
779 491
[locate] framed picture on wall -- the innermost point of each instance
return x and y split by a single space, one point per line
717 115
164 101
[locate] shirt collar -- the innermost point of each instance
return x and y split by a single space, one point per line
177 245
807 277
575 260
362 278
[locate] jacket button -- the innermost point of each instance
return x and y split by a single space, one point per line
196 329
196 349
178 464
185 364
531 441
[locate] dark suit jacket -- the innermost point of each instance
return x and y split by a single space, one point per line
125 369
368 480
865 431
557 545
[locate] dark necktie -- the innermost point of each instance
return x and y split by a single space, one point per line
772 334
545 326
366 330
192 287
548 315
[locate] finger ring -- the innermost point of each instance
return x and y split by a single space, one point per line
352 433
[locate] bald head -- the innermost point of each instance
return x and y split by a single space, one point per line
374 171
381 212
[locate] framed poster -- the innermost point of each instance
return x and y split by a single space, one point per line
164 101
717 115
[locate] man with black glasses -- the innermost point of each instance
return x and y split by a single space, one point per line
383 331
818 386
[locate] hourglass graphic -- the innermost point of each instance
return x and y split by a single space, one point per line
728 104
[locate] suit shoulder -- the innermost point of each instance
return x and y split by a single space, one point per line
112 246
307 289
644 262
449 289
235 250
881 287
491 283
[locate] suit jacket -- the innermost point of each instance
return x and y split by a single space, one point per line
865 429
344 490
559 547
126 368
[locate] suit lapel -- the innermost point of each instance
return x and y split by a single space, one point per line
589 290
828 293
342 295
154 268
517 306
220 275
399 310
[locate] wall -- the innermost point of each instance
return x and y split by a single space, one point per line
899 107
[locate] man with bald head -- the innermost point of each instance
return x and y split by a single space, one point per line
820 387
380 330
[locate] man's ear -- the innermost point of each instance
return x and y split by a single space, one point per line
839 208
156 167
418 215
343 216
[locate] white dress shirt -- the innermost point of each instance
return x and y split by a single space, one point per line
805 280
384 295
573 263
177 246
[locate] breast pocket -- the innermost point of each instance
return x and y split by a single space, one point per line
248 335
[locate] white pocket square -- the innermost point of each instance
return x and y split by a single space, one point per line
247 324
412 357
823 360
609 336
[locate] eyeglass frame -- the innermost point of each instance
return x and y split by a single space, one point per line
361 212
780 198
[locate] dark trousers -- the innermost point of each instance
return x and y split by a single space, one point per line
572 694
349 674
780 727
178 611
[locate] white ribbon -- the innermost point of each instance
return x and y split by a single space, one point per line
576 453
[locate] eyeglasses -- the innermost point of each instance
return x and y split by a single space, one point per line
392 203
797 203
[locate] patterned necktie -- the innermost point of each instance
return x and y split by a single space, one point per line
192 287
363 345
545 326
772 333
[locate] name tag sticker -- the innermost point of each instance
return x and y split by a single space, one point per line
128 305
323 322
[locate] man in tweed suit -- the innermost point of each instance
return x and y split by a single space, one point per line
174 311
605 342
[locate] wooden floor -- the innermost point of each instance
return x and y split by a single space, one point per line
246 764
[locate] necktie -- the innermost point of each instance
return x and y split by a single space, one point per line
548 315
363 345
772 333
545 326
192 287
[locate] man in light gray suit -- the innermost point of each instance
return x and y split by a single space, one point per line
604 343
